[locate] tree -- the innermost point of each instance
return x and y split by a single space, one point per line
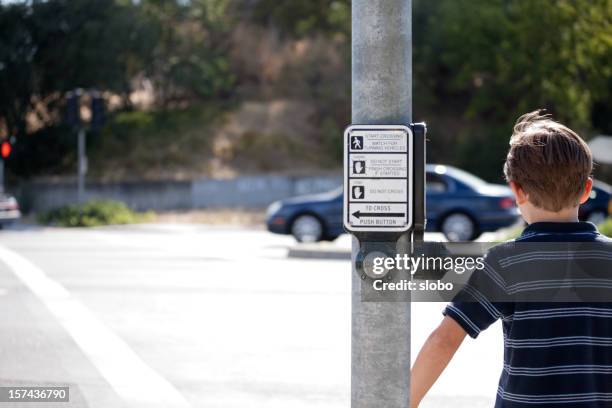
17 50
89 44
304 17
190 56
488 61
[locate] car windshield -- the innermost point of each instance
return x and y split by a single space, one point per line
467 178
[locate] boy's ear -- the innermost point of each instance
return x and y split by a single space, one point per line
519 194
588 186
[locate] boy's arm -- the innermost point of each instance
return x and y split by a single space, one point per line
434 356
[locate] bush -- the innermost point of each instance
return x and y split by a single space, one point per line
606 227
93 213
155 144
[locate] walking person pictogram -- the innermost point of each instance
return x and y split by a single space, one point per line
357 142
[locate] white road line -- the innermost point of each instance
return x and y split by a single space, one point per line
134 381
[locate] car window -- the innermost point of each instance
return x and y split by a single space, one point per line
435 184
467 178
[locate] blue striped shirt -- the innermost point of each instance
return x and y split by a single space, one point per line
555 354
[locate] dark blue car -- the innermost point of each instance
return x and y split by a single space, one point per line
459 204
599 205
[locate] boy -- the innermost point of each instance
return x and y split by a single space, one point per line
555 354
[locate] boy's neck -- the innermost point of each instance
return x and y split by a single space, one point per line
540 215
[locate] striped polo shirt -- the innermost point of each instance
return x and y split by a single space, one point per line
555 354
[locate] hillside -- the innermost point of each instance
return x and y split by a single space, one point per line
228 87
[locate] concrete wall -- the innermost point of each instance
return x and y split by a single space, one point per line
240 192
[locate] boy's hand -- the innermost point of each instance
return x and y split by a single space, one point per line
434 357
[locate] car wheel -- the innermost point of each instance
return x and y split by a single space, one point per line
597 217
458 227
307 228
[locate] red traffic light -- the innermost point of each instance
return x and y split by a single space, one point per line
5 149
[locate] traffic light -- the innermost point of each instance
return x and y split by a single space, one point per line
73 109
97 112
5 149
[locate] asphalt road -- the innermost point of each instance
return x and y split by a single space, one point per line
194 316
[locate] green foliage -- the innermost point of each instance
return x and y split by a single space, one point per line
606 227
514 56
88 44
190 58
132 144
204 76
303 17
482 63
50 47
154 144
16 73
93 213
477 65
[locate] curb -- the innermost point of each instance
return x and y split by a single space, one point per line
307 252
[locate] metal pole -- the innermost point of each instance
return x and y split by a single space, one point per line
82 165
381 94
1 175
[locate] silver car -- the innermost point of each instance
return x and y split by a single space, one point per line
9 210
